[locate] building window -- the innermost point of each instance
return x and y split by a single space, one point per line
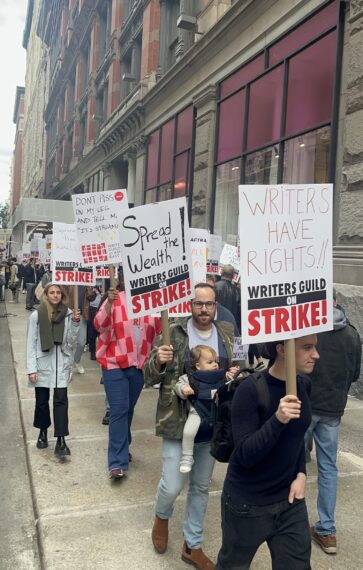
105 30
310 86
275 115
131 67
306 158
101 105
226 202
169 159
82 133
85 68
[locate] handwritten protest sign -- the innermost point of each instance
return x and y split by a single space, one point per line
156 256
97 221
286 265
67 267
198 248
240 350
214 249
34 247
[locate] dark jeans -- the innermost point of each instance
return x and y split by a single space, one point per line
284 527
123 387
60 410
92 333
30 295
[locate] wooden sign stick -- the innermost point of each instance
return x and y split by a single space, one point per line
75 298
111 270
165 327
290 366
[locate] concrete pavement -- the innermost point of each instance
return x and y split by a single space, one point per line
87 522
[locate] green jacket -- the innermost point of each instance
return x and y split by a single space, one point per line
171 410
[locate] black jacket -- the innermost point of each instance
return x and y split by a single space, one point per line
338 366
229 296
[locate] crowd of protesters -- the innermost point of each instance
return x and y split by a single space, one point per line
263 497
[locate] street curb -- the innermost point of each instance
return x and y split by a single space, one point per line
40 547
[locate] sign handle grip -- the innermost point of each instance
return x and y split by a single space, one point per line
290 364
165 327
111 270
75 297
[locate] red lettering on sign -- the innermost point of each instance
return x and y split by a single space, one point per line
158 299
287 319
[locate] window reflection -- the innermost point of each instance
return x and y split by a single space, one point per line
226 204
261 166
306 158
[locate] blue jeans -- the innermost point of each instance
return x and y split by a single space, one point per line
325 432
172 482
123 387
284 526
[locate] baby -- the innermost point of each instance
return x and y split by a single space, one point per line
199 386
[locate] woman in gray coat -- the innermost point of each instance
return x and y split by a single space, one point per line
51 339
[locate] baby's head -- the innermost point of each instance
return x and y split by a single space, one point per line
203 357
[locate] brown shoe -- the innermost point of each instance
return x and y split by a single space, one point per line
327 542
159 534
196 557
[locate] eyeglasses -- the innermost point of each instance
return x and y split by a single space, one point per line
199 304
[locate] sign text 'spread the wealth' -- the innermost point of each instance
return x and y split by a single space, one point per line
66 260
156 256
286 260
97 216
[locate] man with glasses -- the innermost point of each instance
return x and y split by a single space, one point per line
166 364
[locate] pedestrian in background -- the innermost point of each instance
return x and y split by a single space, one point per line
51 338
339 365
228 294
2 281
30 281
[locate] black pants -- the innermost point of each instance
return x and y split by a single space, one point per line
252 353
92 333
60 410
284 527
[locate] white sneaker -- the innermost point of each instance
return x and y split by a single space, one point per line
156 386
79 368
186 464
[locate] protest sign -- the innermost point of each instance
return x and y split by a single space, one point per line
230 256
198 249
102 272
34 247
97 217
286 263
156 257
214 249
67 268
240 350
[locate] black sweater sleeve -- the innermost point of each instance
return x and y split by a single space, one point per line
252 440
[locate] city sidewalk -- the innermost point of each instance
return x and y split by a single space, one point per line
89 523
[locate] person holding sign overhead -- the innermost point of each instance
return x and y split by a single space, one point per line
165 365
263 497
122 350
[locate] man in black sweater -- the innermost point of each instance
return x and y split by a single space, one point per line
263 496
339 366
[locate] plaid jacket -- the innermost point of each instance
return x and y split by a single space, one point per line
116 343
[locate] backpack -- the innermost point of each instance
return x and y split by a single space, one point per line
222 443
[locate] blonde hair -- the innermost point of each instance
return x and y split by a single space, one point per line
196 353
64 298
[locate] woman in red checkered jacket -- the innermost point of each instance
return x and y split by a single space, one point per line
123 347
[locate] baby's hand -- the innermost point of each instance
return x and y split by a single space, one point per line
188 391
231 372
